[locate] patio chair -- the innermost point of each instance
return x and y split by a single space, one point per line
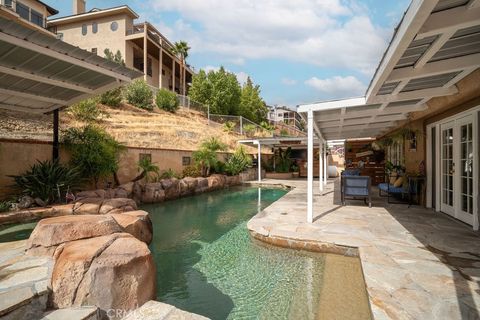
407 191
356 187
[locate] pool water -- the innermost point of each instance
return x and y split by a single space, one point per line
208 264
15 232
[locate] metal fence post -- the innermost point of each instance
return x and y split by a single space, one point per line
241 125
208 114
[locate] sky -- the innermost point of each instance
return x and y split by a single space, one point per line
298 51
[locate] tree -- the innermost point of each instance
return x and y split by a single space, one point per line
146 166
181 49
113 98
93 151
117 57
252 105
218 89
206 156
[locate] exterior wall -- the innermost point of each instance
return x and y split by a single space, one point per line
105 38
35 5
31 151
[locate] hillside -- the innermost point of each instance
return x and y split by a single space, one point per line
131 126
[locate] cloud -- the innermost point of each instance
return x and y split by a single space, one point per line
338 87
288 81
325 33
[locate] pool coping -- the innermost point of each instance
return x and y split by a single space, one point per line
395 288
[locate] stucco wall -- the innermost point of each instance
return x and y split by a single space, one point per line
18 156
105 38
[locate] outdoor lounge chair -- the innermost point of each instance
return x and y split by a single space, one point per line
407 192
356 187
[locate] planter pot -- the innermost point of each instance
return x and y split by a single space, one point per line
295 175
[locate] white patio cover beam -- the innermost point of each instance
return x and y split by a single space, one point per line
417 94
310 167
320 166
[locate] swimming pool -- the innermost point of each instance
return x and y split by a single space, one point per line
208 264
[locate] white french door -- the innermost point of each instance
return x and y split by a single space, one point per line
458 168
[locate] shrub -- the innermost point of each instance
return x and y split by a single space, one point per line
87 111
139 94
48 180
112 98
191 171
238 161
229 126
206 156
147 167
93 151
168 174
5 206
166 100
249 130
284 133
283 160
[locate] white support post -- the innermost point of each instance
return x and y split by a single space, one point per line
320 166
310 168
259 163
325 159
241 125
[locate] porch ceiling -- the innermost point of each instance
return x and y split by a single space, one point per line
39 73
435 46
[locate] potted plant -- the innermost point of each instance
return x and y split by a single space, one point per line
295 172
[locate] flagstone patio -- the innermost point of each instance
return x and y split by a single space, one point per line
417 263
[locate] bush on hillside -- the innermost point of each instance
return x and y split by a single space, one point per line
47 180
167 100
87 111
139 94
112 98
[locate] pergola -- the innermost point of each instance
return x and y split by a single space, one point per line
435 46
42 74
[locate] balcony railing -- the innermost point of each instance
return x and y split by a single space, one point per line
25 12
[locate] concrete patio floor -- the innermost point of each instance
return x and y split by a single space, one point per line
417 264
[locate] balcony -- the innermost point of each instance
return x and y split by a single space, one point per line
25 12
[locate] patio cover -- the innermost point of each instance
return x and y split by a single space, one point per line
435 46
40 73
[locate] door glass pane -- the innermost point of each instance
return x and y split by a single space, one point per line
464 203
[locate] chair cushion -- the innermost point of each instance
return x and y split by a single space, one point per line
356 191
390 188
383 186
393 178
398 183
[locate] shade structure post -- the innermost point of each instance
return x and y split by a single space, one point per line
55 150
320 166
259 161
325 175
310 167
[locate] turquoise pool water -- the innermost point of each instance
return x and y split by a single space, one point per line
208 264
15 232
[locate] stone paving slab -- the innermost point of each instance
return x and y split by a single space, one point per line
154 310
417 264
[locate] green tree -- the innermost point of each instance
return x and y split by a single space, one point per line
146 166
113 97
140 95
218 89
206 156
166 100
238 161
93 151
181 49
252 105
117 57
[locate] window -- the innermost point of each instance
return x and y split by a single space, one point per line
94 50
60 36
8 3
395 153
163 72
37 18
84 29
114 26
186 161
94 27
23 11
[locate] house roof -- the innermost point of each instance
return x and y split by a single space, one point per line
40 73
50 10
94 13
436 44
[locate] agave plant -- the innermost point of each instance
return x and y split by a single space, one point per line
48 180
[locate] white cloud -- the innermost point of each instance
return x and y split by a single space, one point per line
337 87
326 33
288 81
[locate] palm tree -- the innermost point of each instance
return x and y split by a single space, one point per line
181 49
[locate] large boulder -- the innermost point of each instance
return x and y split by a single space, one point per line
171 187
111 272
232 180
153 193
216 181
188 186
202 185
103 206
51 232
137 223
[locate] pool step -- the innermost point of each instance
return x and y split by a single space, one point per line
154 310
73 313
23 282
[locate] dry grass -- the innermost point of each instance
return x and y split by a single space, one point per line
131 126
